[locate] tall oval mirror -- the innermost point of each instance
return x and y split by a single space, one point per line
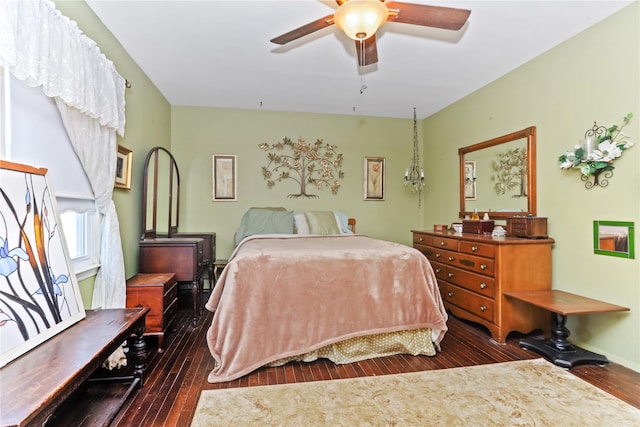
160 194
498 176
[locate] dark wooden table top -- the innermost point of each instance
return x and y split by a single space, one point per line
565 303
34 384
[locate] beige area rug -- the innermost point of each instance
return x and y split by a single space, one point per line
523 393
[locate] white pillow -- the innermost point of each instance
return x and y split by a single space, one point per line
300 222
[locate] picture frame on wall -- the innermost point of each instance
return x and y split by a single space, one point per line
614 238
39 295
124 160
470 180
225 183
374 174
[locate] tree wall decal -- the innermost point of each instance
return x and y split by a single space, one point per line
511 171
316 164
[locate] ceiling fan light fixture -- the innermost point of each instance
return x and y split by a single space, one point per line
360 19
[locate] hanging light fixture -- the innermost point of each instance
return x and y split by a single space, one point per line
414 174
360 19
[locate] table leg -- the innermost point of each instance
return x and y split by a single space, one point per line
196 300
139 353
558 349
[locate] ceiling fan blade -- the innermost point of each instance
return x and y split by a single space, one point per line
427 16
370 54
304 30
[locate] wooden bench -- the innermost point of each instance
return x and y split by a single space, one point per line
39 381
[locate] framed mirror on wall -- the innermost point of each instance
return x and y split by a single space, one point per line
614 238
498 176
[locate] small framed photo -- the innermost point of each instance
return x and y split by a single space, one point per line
470 180
614 238
374 171
124 161
225 178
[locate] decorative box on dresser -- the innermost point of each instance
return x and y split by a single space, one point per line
159 292
474 271
182 256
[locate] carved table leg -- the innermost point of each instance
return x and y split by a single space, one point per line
139 353
558 349
195 294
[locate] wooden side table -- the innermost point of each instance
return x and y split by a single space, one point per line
561 304
218 265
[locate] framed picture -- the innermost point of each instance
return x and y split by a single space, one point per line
470 180
124 161
374 178
39 294
225 177
614 238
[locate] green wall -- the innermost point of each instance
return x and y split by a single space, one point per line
594 76
198 133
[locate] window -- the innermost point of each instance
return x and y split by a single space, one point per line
47 145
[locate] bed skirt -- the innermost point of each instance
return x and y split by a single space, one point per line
414 342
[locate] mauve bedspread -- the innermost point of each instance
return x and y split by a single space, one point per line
284 295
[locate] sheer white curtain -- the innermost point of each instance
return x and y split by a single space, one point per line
44 48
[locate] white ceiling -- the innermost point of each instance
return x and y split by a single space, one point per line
218 54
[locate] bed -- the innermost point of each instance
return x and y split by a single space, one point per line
290 293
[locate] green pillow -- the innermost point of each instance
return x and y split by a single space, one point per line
264 221
322 222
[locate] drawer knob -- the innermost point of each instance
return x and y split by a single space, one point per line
483 308
438 270
483 266
483 286
421 240
438 255
450 275
450 294
474 248
443 243
451 258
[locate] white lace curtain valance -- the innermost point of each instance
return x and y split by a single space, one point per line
45 48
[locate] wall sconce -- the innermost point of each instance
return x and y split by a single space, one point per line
594 156
414 174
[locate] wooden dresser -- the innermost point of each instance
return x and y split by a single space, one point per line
208 250
179 255
159 292
475 271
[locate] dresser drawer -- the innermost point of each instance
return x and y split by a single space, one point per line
170 294
480 249
469 301
445 243
439 269
470 262
422 239
484 285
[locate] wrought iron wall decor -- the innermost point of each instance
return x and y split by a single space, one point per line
594 156
315 164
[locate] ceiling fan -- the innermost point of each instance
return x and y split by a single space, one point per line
360 19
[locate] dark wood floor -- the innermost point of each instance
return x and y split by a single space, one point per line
175 378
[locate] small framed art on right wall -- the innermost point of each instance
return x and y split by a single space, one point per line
614 238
